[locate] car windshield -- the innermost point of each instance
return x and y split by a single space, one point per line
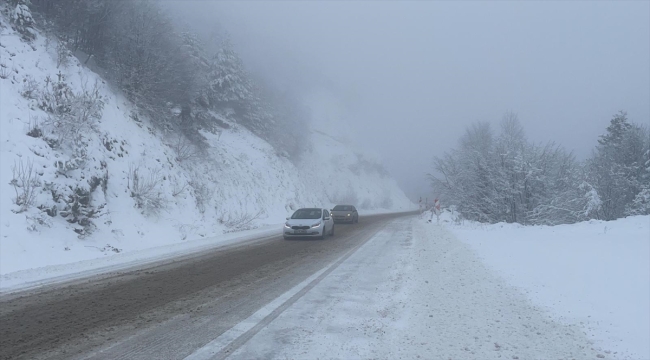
342 208
307 214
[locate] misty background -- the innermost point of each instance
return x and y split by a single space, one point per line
412 75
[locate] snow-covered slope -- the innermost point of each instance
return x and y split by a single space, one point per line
85 203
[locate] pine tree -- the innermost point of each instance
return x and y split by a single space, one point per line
22 20
616 169
641 203
193 49
229 85
616 130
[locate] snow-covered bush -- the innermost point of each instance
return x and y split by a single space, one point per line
4 71
72 113
145 188
34 128
78 204
37 221
30 88
25 183
55 96
179 186
640 205
77 158
184 149
239 221
79 210
202 194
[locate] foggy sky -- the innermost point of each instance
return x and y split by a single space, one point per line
413 75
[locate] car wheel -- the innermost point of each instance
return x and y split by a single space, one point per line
322 236
332 231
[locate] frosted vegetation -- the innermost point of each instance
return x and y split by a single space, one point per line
502 177
117 125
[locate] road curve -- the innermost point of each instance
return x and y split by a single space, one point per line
166 311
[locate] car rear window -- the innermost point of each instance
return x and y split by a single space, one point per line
307 214
343 208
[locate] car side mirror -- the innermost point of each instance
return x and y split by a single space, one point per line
326 218
287 218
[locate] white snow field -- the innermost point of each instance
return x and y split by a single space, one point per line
241 183
595 274
415 290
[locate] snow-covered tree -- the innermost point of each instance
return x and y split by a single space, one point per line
616 130
22 20
512 168
167 74
467 177
143 56
193 49
505 178
641 203
616 169
228 83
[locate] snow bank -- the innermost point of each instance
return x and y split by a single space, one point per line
240 184
595 274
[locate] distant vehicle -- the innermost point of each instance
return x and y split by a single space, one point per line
345 213
309 222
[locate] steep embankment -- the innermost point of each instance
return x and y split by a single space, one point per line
83 175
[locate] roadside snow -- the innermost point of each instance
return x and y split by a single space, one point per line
415 291
595 274
75 268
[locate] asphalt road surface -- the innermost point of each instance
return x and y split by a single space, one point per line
170 309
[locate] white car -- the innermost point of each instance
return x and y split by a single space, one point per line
309 222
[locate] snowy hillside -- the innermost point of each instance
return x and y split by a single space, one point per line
73 191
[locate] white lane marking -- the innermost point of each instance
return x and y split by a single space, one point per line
216 345
231 340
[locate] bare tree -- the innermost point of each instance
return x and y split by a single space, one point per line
184 149
25 184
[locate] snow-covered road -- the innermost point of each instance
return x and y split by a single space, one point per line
413 291
392 286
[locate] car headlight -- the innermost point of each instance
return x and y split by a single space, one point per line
286 225
348 214
316 225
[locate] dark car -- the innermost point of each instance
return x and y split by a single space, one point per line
345 213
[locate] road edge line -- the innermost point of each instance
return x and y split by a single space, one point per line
222 347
